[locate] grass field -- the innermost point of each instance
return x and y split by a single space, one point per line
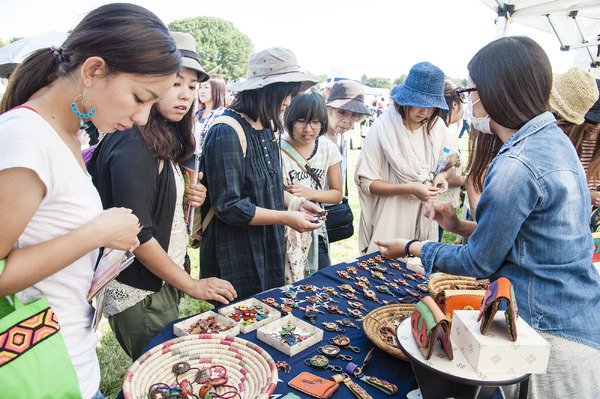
113 361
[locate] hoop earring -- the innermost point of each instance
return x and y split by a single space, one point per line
87 102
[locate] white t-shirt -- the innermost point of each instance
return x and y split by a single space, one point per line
326 155
70 200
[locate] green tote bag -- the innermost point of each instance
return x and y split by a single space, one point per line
34 362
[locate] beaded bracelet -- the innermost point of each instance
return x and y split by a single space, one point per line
406 248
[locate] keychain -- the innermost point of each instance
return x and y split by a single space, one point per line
331 291
385 290
382 385
322 362
395 265
332 327
351 297
333 352
356 389
347 323
343 342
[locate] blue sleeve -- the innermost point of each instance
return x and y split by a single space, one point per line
509 196
223 164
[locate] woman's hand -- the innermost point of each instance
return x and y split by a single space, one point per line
440 183
443 213
425 192
196 193
299 190
301 221
392 249
310 208
117 229
214 289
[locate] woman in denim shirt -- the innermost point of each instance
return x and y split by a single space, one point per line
532 217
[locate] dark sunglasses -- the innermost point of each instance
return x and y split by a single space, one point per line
463 94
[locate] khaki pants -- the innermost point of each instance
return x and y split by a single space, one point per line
135 327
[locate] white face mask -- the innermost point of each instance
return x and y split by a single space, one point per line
481 124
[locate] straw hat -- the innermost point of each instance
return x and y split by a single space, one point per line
572 95
423 88
349 96
273 65
186 44
594 112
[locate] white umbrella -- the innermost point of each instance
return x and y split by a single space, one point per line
13 54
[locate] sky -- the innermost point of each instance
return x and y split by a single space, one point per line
379 38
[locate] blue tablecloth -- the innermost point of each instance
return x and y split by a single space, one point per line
382 365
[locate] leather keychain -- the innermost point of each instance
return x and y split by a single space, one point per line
382 385
356 389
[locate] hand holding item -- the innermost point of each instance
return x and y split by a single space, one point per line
196 193
302 222
298 190
392 249
310 208
440 183
425 192
117 228
443 213
213 288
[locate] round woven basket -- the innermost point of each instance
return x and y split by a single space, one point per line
372 322
446 281
250 368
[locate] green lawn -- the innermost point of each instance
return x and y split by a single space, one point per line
113 361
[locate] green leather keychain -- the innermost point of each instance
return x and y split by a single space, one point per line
382 385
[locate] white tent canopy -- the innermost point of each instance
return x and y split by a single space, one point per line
14 53
576 24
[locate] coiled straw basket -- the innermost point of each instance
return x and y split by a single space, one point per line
373 322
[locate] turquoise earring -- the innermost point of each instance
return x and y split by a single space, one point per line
87 102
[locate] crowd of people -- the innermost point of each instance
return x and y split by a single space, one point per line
272 153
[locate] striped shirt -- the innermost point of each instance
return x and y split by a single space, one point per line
588 148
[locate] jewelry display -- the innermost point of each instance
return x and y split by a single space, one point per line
322 362
344 274
351 297
352 270
270 302
343 342
208 325
380 259
371 262
345 322
333 351
395 265
384 289
309 288
331 291
357 314
347 288
282 365
332 327
370 295
382 385
363 265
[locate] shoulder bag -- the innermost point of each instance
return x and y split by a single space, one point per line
34 362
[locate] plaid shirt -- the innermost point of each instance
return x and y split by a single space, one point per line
249 257
202 127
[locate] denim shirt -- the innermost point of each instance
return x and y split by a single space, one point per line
532 229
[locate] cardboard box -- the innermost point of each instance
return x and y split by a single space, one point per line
182 328
302 328
248 325
495 352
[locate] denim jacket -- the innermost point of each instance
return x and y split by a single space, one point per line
532 229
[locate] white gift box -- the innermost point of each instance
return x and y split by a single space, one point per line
183 327
494 352
250 325
270 335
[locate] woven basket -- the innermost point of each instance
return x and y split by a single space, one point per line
249 367
446 281
372 323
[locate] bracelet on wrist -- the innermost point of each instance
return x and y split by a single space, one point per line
407 248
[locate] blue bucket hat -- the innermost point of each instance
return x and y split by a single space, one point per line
423 88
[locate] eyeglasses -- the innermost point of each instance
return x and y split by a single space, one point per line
463 94
353 116
314 125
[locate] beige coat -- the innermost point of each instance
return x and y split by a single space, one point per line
394 154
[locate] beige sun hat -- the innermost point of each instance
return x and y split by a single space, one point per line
573 94
273 65
186 44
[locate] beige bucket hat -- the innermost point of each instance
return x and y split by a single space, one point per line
186 44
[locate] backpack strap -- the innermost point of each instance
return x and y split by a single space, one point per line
295 155
232 122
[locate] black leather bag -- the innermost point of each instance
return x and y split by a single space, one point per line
339 221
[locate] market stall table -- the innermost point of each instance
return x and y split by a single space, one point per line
381 365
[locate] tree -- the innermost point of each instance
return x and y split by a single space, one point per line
400 80
382 83
222 48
